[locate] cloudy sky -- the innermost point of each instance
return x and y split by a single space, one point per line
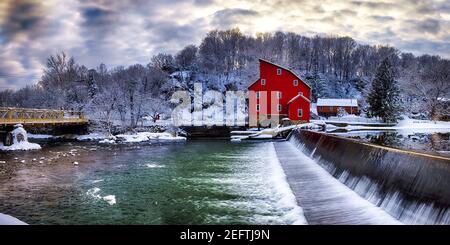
131 31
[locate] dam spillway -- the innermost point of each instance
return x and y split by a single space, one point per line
410 187
323 198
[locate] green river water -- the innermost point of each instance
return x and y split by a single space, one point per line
193 182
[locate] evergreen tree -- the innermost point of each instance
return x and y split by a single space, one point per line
317 84
92 85
384 96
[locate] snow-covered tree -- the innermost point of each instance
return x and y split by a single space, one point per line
427 86
164 62
341 112
384 97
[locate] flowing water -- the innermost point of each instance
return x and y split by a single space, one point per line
194 182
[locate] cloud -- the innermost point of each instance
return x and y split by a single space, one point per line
98 17
427 25
374 5
380 18
226 18
126 32
22 17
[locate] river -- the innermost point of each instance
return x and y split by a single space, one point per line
193 182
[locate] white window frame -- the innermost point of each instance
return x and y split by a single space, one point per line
278 94
257 95
295 82
263 82
279 71
280 107
257 107
300 112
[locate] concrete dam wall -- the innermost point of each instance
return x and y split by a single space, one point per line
412 187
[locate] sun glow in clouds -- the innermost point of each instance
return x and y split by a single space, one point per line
129 32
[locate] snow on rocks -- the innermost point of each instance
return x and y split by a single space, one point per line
111 140
22 146
92 136
130 137
141 137
19 140
41 136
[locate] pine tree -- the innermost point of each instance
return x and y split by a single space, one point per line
384 97
317 84
92 84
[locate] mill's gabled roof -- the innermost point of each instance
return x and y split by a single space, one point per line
298 96
287 69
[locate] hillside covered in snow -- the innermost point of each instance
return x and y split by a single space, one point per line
335 67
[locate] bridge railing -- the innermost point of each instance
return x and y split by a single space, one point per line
39 116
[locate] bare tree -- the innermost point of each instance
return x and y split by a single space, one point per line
186 57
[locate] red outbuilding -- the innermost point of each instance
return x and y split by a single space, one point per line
278 92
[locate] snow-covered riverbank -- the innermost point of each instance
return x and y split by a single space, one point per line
105 138
130 137
141 137
406 126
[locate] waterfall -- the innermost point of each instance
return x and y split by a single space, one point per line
412 188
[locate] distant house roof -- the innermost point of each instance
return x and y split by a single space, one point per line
298 96
337 102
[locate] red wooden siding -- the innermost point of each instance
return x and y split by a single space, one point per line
283 83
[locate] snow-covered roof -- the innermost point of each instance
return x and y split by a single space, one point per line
337 102
287 69
297 96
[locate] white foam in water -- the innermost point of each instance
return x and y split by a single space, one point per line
152 165
287 199
110 199
258 181
93 192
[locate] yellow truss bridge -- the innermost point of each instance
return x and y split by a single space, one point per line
40 117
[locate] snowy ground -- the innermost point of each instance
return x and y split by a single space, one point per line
406 126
